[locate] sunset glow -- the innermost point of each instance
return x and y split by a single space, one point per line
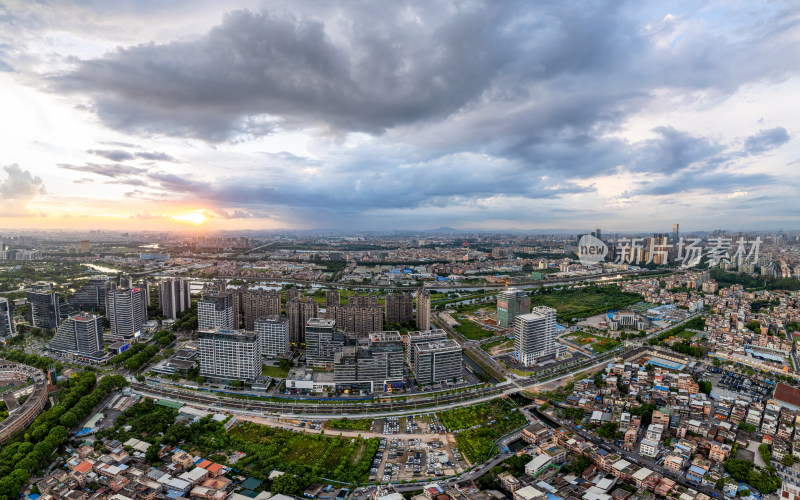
195 217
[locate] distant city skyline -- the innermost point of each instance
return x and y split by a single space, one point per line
483 116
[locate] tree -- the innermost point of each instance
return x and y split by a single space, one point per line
608 430
151 455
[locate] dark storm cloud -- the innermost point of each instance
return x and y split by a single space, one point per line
257 71
766 140
467 100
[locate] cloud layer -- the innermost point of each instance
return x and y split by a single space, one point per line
458 110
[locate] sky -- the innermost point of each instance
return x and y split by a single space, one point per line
384 115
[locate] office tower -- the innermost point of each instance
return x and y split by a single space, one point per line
437 361
92 294
375 363
323 341
675 233
511 303
6 318
125 282
368 300
45 307
84 246
145 286
292 294
331 298
535 335
299 312
598 234
125 312
399 308
274 333
357 319
215 310
227 354
80 335
655 250
174 296
423 309
414 338
258 303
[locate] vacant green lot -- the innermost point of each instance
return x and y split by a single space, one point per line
481 425
596 343
584 302
363 424
274 371
340 458
503 343
471 330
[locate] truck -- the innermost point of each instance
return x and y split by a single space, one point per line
505 449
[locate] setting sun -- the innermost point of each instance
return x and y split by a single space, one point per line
194 217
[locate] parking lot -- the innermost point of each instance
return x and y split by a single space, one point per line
401 459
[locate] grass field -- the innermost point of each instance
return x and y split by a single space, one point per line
584 302
362 424
471 330
481 425
273 371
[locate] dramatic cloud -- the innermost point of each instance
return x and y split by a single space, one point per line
365 115
17 190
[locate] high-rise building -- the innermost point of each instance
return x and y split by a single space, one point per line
357 319
215 310
92 294
125 282
227 354
511 303
374 364
675 233
414 338
331 298
535 335
174 296
423 309
45 307
274 333
6 318
437 361
399 308
292 293
80 335
655 250
598 234
299 312
368 300
323 341
258 303
125 312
